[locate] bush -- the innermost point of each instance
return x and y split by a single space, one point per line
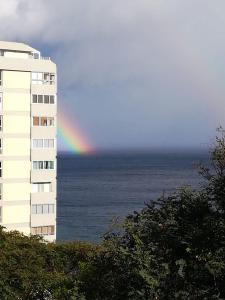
173 249
32 269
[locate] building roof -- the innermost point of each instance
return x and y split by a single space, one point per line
16 47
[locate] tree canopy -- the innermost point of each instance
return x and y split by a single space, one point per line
174 248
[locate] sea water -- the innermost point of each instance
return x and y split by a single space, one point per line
93 190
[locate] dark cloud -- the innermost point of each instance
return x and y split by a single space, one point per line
134 73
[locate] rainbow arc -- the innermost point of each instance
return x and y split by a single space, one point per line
72 136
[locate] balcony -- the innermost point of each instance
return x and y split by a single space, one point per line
37 55
43 175
40 198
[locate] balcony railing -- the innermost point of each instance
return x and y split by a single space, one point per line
40 57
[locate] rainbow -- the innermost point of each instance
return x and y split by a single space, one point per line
71 136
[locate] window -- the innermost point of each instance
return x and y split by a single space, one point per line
0 191
37 143
1 100
52 99
43 230
37 78
46 77
43 143
40 98
1 122
0 168
36 121
43 165
0 214
38 165
48 99
50 121
52 78
39 209
0 77
0 145
34 209
35 99
49 78
43 121
49 143
48 165
41 187
43 209
51 208
36 55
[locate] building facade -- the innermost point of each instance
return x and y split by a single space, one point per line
28 111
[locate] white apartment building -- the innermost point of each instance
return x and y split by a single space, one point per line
28 96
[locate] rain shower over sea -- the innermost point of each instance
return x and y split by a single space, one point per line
94 189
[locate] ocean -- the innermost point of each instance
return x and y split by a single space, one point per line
93 190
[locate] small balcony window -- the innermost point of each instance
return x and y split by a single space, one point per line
35 121
36 55
49 78
43 230
0 168
0 191
0 213
43 121
1 100
37 78
43 165
34 99
1 122
40 98
52 99
0 145
46 99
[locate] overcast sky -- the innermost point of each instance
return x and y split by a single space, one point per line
132 73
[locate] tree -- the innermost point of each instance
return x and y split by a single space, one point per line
31 269
173 249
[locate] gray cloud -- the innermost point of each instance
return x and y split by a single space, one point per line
134 73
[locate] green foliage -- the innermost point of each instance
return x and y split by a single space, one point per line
173 249
32 269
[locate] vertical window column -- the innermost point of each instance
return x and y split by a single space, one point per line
0 169
0 214
1 122
1 101
1 192
1 145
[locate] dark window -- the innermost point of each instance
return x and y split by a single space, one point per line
40 98
36 121
0 169
46 99
44 121
34 98
52 99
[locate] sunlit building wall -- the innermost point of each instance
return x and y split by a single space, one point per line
28 96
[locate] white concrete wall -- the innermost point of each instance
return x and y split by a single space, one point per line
17 155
